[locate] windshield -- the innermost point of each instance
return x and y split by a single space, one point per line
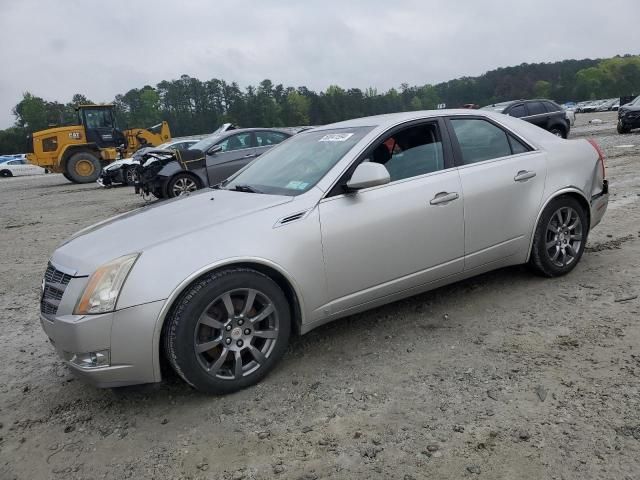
297 164
206 143
498 107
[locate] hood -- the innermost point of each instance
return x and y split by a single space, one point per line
143 228
119 163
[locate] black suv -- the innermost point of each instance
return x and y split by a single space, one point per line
629 116
543 113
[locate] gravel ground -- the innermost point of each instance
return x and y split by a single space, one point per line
502 376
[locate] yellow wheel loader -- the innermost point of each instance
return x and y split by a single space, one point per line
80 151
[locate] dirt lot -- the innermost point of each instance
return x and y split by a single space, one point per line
505 376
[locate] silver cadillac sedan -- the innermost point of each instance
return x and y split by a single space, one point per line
333 221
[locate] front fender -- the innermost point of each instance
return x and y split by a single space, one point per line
229 262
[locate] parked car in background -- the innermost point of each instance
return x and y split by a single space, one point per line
629 116
124 171
334 221
207 162
544 113
605 106
13 167
570 113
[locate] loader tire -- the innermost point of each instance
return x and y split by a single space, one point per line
83 167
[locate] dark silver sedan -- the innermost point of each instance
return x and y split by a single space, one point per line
208 162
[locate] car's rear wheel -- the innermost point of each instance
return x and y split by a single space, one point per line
182 184
559 238
559 132
6 173
228 330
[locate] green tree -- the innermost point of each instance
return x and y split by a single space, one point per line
542 89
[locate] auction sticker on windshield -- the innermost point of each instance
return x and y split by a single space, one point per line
297 185
336 137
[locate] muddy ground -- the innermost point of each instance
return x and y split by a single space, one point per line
504 376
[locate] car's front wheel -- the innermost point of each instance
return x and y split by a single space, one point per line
182 184
622 129
6 173
228 330
559 238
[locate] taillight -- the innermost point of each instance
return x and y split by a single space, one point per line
595 145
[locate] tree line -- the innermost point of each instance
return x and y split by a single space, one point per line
192 106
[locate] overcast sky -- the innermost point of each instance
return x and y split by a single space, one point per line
54 49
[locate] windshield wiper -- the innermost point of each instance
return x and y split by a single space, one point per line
245 188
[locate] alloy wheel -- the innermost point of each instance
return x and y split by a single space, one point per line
130 175
184 186
236 334
563 237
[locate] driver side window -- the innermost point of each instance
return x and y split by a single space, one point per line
236 142
411 152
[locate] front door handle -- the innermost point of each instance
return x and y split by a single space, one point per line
523 175
249 155
443 197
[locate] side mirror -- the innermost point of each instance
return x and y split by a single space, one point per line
368 174
215 149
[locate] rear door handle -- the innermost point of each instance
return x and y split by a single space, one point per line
443 197
523 175
249 155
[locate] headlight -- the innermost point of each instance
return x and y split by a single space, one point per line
101 293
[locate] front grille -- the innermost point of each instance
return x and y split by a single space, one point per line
55 283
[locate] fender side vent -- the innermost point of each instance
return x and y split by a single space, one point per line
290 218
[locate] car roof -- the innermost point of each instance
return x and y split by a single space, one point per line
389 119
235 131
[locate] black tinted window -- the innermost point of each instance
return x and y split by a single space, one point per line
536 108
552 107
411 152
480 140
518 111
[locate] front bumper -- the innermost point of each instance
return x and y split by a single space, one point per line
126 334
111 176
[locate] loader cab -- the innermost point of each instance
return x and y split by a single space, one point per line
100 125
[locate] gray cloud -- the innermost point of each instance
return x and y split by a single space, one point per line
56 49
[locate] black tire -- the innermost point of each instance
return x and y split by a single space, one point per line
6 173
559 131
622 129
204 299
174 185
83 167
65 175
550 236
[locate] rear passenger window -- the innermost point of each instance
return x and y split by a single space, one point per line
518 111
552 107
411 152
536 108
517 146
480 140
